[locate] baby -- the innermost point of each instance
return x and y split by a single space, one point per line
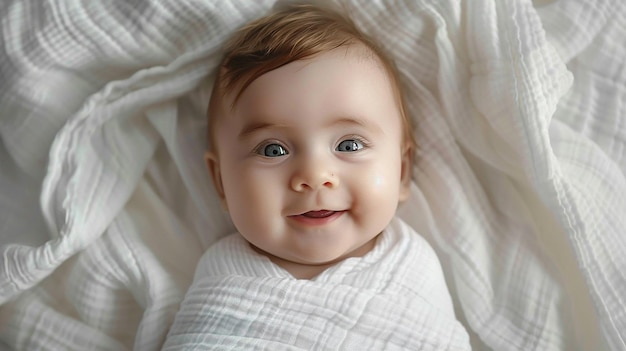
311 147
311 153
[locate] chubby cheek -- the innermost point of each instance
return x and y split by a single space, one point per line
253 199
376 193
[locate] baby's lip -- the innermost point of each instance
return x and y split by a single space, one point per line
318 213
317 217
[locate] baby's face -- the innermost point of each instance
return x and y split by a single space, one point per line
310 161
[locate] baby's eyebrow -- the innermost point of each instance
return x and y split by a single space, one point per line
357 121
255 127
252 128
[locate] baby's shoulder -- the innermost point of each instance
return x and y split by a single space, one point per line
403 233
410 251
416 261
220 253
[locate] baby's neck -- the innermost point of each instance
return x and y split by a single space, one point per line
310 271
302 271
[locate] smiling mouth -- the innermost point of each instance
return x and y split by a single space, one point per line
318 217
318 214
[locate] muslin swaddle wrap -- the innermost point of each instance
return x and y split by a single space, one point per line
393 298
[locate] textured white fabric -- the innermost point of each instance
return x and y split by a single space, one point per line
393 298
519 184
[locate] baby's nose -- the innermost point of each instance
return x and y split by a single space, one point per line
313 176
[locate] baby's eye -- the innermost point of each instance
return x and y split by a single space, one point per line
273 150
349 145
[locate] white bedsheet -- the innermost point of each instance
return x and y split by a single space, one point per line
520 182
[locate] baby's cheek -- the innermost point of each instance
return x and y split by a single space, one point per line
257 198
381 179
379 189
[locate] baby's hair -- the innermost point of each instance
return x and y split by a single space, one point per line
292 32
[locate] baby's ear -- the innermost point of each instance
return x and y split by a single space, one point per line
405 172
213 164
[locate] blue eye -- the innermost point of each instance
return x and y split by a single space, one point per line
349 145
273 150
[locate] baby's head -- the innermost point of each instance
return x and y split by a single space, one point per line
310 145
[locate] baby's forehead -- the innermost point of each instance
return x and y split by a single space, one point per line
332 78
228 102
359 53
357 64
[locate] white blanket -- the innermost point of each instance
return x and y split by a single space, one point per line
393 298
519 184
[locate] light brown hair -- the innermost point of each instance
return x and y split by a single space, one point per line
292 32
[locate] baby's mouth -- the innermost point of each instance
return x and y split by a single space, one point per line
318 217
318 214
